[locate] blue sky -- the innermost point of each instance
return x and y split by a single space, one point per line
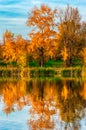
14 13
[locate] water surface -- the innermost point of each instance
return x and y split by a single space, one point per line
43 104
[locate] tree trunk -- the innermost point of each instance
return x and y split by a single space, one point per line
69 62
41 62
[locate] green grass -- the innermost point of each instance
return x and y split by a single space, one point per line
60 63
50 68
54 63
33 64
49 63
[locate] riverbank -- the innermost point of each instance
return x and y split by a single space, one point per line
42 71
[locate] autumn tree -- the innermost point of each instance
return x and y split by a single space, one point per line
14 49
8 47
1 59
68 34
83 39
20 48
42 44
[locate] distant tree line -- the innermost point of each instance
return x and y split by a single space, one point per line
56 34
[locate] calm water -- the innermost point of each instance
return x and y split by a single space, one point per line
41 104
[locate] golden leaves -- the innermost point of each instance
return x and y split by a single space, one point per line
14 49
42 19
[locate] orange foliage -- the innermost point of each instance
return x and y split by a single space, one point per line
43 42
8 47
14 49
69 34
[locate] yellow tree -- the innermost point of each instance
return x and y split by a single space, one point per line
14 49
20 48
68 34
42 44
8 47
83 39
1 54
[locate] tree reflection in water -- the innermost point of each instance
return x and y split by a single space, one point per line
54 104
14 96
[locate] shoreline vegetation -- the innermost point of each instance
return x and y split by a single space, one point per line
56 45
14 72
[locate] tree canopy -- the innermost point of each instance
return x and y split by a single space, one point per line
56 34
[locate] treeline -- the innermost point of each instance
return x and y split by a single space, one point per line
56 34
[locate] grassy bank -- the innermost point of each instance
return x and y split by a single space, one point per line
42 71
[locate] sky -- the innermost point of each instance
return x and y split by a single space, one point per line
14 13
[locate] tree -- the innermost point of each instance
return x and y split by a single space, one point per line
42 44
83 39
68 34
1 59
8 47
14 49
20 48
